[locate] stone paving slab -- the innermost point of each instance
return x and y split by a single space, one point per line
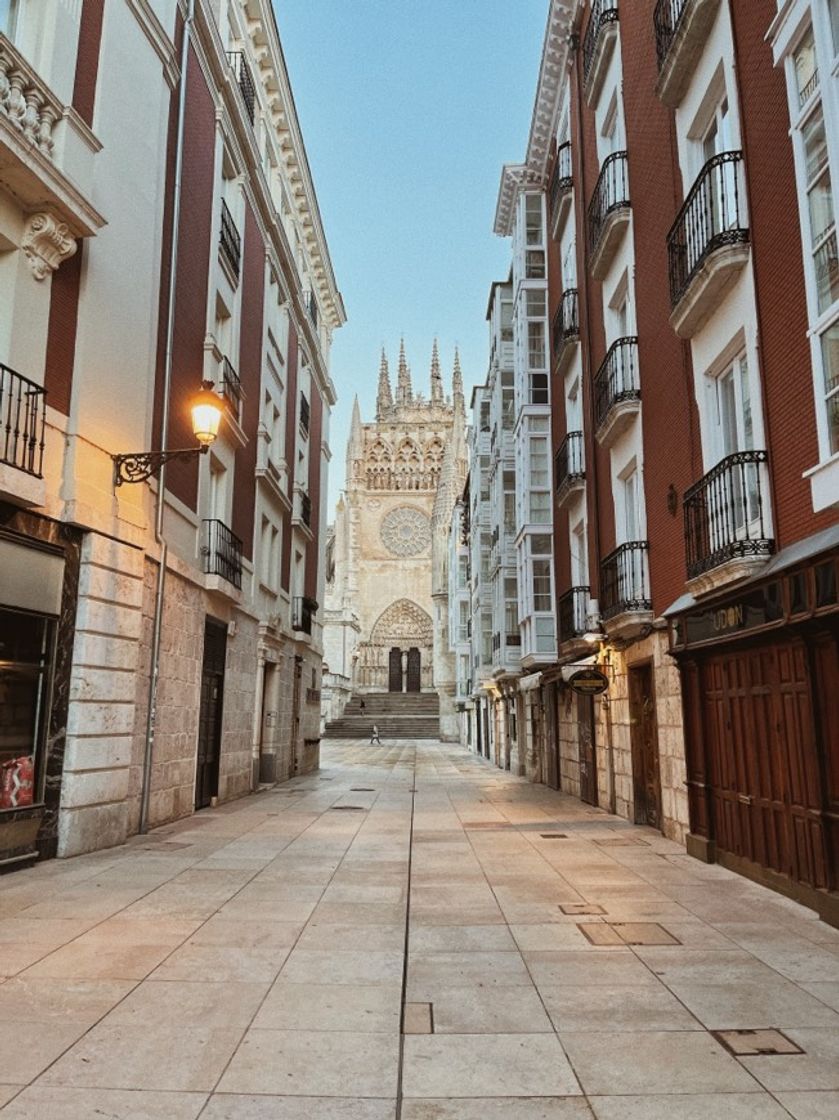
248 963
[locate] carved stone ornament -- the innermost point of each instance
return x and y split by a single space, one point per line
403 623
46 243
406 531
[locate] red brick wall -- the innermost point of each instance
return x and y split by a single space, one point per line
315 440
779 276
87 58
250 371
192 278
290 448
61 331
672 446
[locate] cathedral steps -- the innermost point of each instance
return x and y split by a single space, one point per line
398 715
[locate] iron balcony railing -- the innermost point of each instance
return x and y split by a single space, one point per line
712 216
566 323
303 611
573 613
22 422
222 551
666 19
602 12
244 79
624 580
570 461
231 388
826 260
725 513
561 178
611 193
617 379
304 414
230 242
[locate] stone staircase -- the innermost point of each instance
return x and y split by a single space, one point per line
398 715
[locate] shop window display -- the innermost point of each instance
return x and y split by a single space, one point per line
26 642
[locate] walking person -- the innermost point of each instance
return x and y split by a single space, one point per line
362 706
374 738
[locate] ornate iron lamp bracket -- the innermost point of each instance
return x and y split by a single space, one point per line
140 465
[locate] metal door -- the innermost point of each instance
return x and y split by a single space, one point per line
587 753
394 682
414 670
210 713
644 738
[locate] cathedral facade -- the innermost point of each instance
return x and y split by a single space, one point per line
384 626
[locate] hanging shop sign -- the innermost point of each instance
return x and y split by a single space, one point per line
589 682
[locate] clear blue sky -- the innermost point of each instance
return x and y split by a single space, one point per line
408 109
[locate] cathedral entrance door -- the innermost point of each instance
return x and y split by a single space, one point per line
414 670
394 679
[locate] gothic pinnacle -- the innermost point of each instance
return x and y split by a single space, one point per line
384 397
436 377
404 392
457 382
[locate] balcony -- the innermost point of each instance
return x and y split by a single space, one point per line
617 390
47 159
303 611
682 28
625 602
708 244
598 44
230 243
559 191
231 390
608 213
570 468
22 432
572 611
244 80
222 553
728 522
565 329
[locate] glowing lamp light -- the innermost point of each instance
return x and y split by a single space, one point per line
207 408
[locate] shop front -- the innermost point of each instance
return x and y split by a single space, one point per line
760 681
34 667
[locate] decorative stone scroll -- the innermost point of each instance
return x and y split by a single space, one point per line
406 531
46 243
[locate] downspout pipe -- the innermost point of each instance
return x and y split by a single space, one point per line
160 505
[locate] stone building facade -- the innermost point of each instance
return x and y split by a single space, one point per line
384 604
158 227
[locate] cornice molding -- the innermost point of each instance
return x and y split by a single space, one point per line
562 17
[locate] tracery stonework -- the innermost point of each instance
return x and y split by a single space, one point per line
403 623
406 531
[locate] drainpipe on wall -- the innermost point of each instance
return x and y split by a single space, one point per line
164 432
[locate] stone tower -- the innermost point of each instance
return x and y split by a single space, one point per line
383 618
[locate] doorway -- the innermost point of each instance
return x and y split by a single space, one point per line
210 713
587 753
646 775
394 676
414 682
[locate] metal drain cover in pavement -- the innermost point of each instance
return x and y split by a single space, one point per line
348 808
627 933
621 842
581 908
362 789
553 836
753 1043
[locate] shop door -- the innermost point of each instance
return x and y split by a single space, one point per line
551 738
414 670
394 679
587 753
766 786
210 713
644 737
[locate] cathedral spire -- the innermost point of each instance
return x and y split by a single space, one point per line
355 444
384 398
457 385
436 377
404 392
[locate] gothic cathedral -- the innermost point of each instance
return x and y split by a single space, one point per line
386 613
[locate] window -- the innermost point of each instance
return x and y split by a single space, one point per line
533 219
539 391
8 17
540 507
569 266
579 555
732 410
830 365
631 529
218 490
304 415
820 208
833 12
806 70
542 585
506 320
544 631
462 572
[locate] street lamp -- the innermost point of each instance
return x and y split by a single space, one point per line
206 408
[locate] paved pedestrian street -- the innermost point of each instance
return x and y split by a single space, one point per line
248 963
